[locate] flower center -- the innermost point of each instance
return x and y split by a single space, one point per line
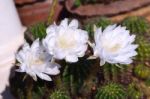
111 48
35 61
66 43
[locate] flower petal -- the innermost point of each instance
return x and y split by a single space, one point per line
59 54
20 56
64 22
71 58
52 70
74 24
44 76
98 34
109 28
36 47
51 29
102 62
32 74
81 50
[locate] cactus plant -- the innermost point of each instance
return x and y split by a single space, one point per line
18 86
139 26
38 93
101 22
77 3
59 94
38 30
147 82
107 72
75 74
125 74
134 92
111 91
136 24
142 71
113 73
143 50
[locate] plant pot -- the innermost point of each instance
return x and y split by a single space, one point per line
24 1
111 9
11 38
38 12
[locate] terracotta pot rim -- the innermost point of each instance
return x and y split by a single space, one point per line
110 9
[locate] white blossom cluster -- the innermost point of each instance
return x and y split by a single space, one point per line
66 41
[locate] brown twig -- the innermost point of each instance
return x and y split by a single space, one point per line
52 12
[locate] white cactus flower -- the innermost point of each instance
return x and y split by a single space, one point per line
66 41
114 45
35 61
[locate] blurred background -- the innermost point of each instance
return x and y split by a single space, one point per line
34 11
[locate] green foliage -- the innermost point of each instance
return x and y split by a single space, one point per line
101 22
136 25
142 71
77 3
38 30
74 75
111 91
59 94
143 49
133 92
